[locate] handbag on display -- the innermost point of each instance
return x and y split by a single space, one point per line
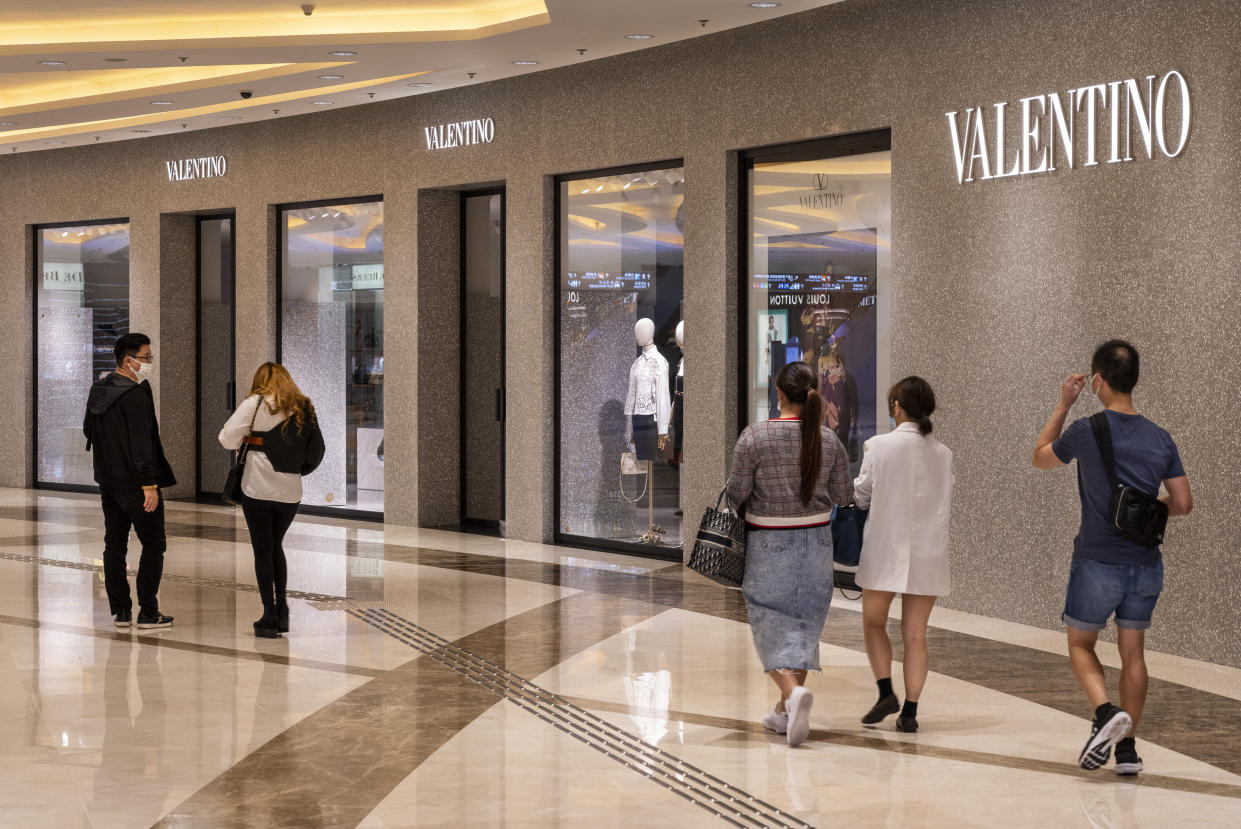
1134 514
232 493
848 524
719 549
630 466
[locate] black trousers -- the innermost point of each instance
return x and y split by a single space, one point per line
122 511
268 521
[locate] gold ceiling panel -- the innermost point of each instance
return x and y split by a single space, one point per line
57 131
34 26
28 92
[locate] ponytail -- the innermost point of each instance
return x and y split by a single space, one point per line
811 444
801 387
916 399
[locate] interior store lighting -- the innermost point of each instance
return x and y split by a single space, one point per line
764 5
343 54
51 63
331 77
639 37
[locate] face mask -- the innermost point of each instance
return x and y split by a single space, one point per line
143 371
1093 393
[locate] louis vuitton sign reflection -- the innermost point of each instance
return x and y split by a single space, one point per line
1149 117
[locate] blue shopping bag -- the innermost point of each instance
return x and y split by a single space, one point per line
848 524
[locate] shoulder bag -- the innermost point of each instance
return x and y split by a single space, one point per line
232 493
848 524
719 549
1135 515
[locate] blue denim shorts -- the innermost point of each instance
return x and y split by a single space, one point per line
1097 590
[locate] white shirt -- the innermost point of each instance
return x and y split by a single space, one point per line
906 481
648 388
260 481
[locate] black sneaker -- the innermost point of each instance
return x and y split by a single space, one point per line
885 707
909 725
1105 732
125 619
1128 763
157 620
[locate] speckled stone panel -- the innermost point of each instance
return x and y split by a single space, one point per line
998 288
178 343
439 358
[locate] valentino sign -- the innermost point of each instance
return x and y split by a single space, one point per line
1143 117
187 169
461 134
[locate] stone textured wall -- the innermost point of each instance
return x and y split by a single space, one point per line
998 288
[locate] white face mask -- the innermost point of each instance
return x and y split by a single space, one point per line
143 371
1094 393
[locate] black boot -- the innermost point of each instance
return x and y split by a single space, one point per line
282 614
268 627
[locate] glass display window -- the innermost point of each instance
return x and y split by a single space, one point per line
620 366
82 307
331 341
818 223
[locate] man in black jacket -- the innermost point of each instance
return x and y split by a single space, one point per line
130 468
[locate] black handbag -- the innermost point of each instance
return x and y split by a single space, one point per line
1134 514
847 526
719 549
232 493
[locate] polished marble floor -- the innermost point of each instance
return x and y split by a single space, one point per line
438 679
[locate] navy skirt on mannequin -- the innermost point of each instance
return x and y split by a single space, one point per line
645 437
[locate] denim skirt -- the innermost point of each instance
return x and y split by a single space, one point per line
788 589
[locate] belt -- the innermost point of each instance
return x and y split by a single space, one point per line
254 440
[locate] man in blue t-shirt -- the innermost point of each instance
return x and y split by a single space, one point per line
1111 574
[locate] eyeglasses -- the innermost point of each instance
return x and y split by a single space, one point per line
148 359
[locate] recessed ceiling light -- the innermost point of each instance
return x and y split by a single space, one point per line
323 103
161 103
56 142
51 63
639 37
139 130
525 63
331 77
419 84
343 54
232 117
8 123
764 5
115 60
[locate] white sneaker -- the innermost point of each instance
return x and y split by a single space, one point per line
777 721
799 716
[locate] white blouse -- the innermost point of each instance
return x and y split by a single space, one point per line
648 388
260 481
906 481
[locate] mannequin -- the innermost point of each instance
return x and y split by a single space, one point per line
648 407
673 454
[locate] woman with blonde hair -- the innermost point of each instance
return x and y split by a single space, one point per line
279 424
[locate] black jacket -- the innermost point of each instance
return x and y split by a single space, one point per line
292 450
120 426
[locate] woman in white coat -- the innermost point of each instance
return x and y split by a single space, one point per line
906 482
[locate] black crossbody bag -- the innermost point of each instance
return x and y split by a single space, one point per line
1134 514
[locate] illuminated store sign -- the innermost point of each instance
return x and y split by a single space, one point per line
461 134
188 169
1143 115
63 276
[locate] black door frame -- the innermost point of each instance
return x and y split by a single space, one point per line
473 524
37 276
211 492
308 509
583 541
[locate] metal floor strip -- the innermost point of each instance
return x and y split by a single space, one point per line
699 787
705 790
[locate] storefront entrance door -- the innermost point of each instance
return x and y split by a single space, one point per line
482 360
217 389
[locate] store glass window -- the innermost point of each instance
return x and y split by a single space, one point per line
82 283
818 265
331 340
621 372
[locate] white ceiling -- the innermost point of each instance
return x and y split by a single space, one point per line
198 56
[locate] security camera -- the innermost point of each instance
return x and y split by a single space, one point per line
246 93
308 9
